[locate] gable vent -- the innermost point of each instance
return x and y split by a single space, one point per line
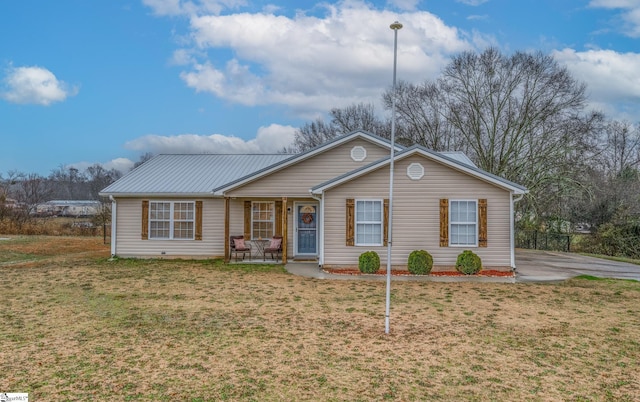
358 153
415 171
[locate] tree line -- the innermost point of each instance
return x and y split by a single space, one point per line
523 117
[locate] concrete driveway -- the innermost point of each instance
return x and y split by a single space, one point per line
542 266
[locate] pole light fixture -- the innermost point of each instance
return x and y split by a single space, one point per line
396 26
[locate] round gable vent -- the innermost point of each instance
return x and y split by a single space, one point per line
415 171
358 153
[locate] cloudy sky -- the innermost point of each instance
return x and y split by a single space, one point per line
105 81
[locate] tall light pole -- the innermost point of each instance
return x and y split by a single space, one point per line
396 26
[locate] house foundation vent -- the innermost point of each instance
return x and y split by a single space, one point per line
358 153
415 171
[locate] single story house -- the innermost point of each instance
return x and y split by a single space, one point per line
329 204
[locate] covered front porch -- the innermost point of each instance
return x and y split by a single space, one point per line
260 221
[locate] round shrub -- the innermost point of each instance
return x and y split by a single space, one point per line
420 262
468 263
369 262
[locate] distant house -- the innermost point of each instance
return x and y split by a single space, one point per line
70 208
11 204
329 204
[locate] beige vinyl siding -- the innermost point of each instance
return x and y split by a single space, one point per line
416 217
130 244
297 179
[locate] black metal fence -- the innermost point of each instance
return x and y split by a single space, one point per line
535 240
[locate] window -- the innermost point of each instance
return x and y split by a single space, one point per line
262 220
463 220
171 220
368 222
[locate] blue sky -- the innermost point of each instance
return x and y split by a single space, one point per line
104 81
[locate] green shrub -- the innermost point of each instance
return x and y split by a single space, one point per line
369 262
420 262
468 263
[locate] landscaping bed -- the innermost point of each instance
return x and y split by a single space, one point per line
397 272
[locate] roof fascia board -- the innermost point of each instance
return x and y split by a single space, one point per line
158 195
303 156
430 155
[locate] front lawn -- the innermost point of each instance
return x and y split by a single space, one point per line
76 326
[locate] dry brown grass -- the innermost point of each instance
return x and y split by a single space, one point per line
80 327
52 226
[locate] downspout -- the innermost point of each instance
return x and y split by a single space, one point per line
114 215
513 229
320 230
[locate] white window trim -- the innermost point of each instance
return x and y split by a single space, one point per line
356 222
273 218
451 201
172 220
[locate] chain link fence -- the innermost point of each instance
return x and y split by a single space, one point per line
533 239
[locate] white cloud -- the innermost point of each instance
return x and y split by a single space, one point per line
312 63
613 79
405 4
614 3
610 75
191 7
630 14
120 164
269 139
35 85
473 3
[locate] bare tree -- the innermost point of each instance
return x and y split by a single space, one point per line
30 190
69 183
361 116
143 158
422 117
621 147
521 117
99 178
351 118
311 135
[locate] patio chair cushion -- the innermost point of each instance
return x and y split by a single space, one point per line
275 244
239 244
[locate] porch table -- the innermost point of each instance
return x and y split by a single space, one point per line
260 245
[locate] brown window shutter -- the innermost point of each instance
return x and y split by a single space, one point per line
482 222
385 228
444 222
247 220
278 218
145 220
350 218
198 220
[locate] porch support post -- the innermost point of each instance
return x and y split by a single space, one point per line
227 254
285 219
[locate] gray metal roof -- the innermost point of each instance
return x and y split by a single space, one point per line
459 156
189 173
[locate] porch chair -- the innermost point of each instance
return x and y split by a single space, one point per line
238 245
273 248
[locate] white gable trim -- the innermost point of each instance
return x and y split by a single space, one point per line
477 173
220 191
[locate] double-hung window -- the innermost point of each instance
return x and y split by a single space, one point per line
463 221
368 222
171 220
262 219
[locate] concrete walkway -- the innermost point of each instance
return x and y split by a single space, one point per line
532 266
